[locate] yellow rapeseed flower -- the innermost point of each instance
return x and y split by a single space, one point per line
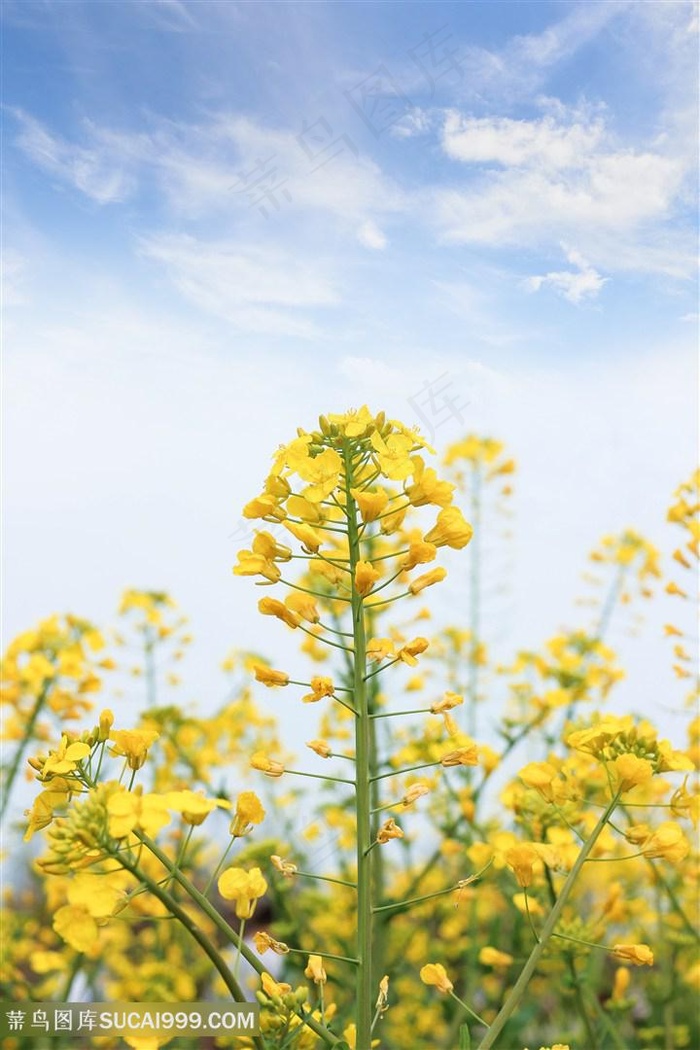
450 530
371 503
250 564
492 957
263 941
448 703
133 744
315 971
467 755
194 806
243 887
667 841
269 766
269 676
427 489
418 554
636 954
365 577
435 974
65 759
321 747
249 811
320 688
427 580
521 859
129 810
303 605
273 607
630 771
389 830
407 653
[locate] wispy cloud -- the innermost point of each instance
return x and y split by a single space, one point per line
522 66
227 164
538 182
564 38
174 15
256 289
94 171
520 143
575 285
414 123
371 236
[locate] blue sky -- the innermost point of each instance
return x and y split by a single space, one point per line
221 219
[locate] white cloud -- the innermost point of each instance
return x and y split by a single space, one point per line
564 38
416 122
257 289
574 285
519 143
523 64
100 175
612 192
229 164
171 15
371 236
325 170
548 180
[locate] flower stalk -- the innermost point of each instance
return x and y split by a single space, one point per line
363 756
513 1001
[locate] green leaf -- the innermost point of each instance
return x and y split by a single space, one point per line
465 1042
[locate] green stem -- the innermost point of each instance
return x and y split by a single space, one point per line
529 916
675 903
363 755
378 865
72 974
193 929
318 776
511 744
387 601
382 668
326 878
241 934
403 905
184 843
228 932
324 955
219 866
607 1024
326 641
19 754
316 594
592 1040
518 990
468 1009
408 769
573 973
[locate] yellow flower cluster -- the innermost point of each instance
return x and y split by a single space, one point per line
360 464
50 674
583 849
